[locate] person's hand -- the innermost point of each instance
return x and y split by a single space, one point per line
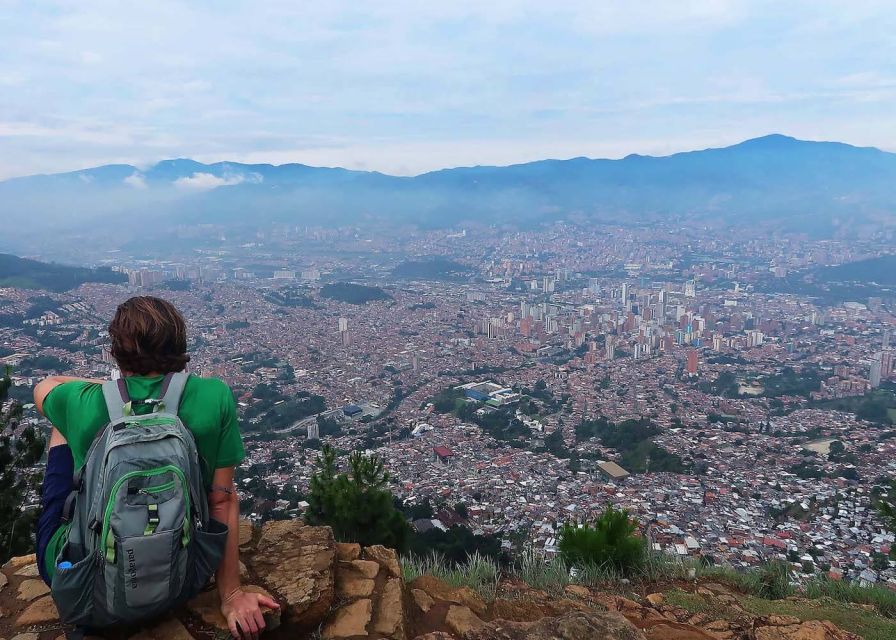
242 610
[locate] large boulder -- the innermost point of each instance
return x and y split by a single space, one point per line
386 558
355 578
349 621
602 625
422 599
461 620
20 561
389 619
39 612
32 588
295 562
28 571
348 551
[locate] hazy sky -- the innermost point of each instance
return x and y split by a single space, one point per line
404 87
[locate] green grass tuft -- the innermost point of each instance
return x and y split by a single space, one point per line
480 573
880 598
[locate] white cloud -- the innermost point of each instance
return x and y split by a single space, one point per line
204 181
136 180
404 86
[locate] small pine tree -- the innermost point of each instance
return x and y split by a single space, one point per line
357 505
17 454
612 541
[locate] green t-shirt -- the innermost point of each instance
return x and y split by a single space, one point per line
207 409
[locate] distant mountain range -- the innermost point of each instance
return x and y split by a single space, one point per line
817 187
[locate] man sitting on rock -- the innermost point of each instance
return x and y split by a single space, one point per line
148 341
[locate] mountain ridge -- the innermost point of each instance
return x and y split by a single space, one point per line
819 187
766 141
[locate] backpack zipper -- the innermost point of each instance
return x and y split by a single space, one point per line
110 505
159 488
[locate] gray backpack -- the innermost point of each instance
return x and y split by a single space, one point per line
139 539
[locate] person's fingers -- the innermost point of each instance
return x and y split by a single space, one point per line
259 620
265 601
245 627
251 626
234 629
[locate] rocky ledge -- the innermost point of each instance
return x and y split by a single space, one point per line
339 591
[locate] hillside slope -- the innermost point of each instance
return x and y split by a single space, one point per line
340 591
31 274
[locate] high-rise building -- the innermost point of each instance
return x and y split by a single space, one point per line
667 343
313 431
343 324
886 339
611 347
887 363
755 338
692 362
874 375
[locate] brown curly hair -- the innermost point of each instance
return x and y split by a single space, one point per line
148 335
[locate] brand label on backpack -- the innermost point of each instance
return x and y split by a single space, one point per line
132 568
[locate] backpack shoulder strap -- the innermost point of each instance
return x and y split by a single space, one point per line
171 391
115 392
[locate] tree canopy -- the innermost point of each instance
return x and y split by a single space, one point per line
357 504
17 455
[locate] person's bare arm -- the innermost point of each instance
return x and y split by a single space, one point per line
242 610
45 386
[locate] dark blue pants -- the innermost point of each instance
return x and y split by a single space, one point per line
56 488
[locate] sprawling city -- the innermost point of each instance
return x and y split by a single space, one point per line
731 392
